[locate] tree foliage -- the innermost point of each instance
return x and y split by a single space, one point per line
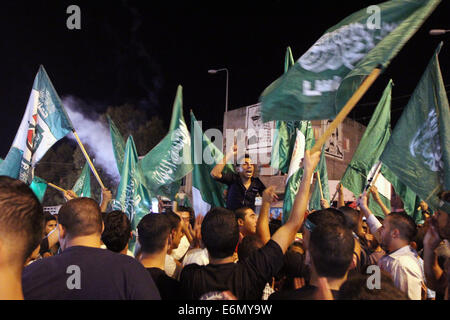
63 163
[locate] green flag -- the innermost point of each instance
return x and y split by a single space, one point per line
314 203
82 186
409 198
285 133
169 161
304 141
39 186
206 192
44 123
327 75
132 197
418 150
365 159
118 143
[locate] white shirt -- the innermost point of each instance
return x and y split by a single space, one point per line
171 268
183 247
199 256
406 269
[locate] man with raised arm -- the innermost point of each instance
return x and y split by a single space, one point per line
401 261
247 278
242 186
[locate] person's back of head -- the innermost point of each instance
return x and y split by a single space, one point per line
331 247
153 232
248 245
81 217
21 221
351 217
357 288
404 223
220 232
326 216
117 231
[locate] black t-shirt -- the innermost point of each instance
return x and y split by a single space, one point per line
304 293
237 195
169 288
246 279
87 273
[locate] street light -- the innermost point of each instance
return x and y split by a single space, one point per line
213 71
438 32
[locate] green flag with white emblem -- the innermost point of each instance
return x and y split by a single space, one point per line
44 123
326 76
365 159
82 186
169 161
132 197
418 152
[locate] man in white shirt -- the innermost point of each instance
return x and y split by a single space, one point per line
401 260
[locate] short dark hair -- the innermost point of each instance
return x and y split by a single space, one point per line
153 231
326 216
48 217
249 244
355 288
81 217
405 225
117 230
174 219
331 247
220 232
351 217
191 213
21 217
241 212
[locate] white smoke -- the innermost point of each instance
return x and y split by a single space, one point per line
94 134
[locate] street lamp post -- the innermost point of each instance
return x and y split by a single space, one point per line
213 71
438 32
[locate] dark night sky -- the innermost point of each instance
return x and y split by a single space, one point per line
139 51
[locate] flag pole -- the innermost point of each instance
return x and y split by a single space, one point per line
320 185
368 81
334 196
56 187
91 165
374 176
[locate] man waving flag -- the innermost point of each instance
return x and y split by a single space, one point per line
45 121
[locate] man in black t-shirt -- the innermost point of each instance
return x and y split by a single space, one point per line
243 187
330 246
83 271
153 236
220 234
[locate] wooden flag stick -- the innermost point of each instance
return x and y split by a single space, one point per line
88 160
368 81
334 196
55 187
320 185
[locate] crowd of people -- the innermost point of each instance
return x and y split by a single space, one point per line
232 253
